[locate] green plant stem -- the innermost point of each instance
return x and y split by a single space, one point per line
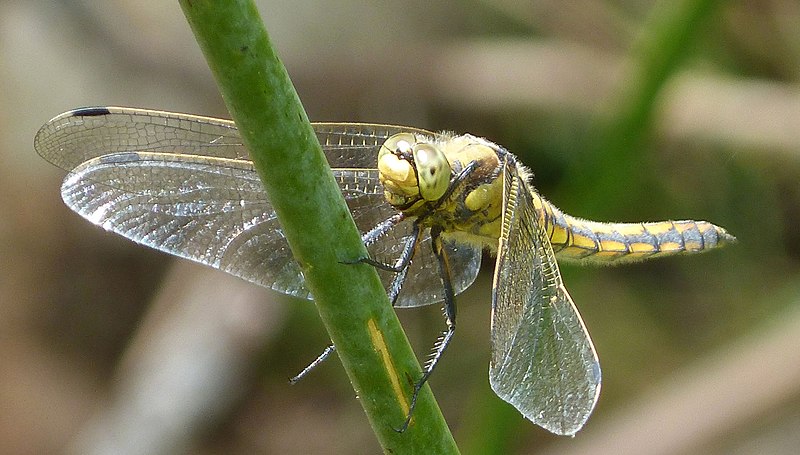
350 298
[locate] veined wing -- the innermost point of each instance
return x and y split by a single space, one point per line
184 184
543 361
82 134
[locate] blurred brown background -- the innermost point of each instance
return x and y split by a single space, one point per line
625 110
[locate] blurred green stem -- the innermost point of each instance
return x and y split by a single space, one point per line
350 298
612 167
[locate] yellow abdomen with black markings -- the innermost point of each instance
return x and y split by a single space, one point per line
576 239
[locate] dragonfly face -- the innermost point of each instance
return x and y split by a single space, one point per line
427 203
412 171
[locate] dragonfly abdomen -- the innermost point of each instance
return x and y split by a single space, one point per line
591 241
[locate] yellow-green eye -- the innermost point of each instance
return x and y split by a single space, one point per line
433 171
400 142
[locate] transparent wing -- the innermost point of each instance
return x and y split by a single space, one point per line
542 360
184 184
82 134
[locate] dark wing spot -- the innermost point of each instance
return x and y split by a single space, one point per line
90 111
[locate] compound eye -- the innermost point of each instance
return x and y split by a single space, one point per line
395 170
400 143
433 171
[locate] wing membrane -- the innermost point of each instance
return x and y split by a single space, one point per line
82 134
184 184
543 361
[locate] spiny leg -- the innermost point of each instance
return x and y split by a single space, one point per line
400 267
382 228
405 257
320 358
397 284
377 232
450 319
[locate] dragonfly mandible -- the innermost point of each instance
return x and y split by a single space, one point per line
427 205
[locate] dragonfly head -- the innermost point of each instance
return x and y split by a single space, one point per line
412 170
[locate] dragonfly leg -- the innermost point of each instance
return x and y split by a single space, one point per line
397 284
450 319
405 256
382 228
321 358
375 233
401 265
456 182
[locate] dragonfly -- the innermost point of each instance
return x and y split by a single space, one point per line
427 205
